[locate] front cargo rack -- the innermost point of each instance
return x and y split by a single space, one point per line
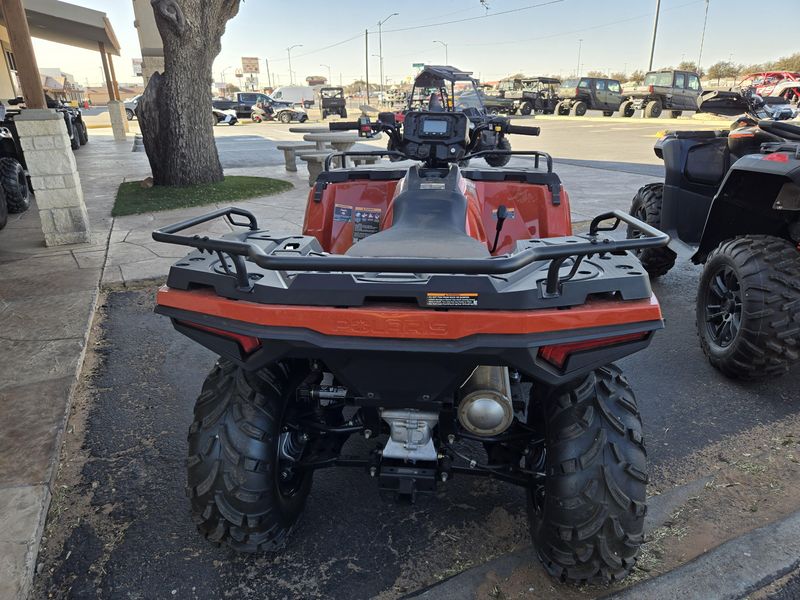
579 247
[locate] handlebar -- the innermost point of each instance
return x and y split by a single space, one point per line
343 125
523 130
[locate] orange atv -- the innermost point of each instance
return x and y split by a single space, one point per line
450 318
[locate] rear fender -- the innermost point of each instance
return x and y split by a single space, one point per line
747 202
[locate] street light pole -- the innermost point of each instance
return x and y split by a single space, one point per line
380 47
289 54
446 59
580 45
655 30
703 36
329 73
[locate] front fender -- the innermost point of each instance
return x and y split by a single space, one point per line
760 195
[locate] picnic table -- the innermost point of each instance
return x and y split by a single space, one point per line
340 141
309 129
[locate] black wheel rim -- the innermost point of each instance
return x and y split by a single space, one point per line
723 307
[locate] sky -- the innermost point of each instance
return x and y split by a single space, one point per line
535 37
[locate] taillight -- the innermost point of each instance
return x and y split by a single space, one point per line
577 91
780 157
651 89
248 343
557 355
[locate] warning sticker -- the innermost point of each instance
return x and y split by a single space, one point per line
342 213
367 221
452 299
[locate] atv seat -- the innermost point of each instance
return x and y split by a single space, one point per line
426 223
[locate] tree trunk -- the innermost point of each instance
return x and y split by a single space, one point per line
175 110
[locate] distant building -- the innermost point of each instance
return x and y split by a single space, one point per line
99 95
61 86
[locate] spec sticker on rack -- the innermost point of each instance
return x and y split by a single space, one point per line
451 299
342 213
367 221
510 213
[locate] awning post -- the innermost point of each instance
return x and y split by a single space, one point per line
27 69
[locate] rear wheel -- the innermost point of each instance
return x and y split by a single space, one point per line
748 307
343 113
241 491
499 160
15 185
285 117
646 206
129 114
587 514
561 109
653 109
675 114
578 109
626 109
525 108
324 114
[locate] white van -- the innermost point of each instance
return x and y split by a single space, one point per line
296 94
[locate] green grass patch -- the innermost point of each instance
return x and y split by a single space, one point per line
133 199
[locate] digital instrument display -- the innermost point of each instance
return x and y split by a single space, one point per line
434 127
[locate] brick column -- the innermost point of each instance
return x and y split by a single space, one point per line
54 176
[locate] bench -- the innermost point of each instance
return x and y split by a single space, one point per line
290 150
315 162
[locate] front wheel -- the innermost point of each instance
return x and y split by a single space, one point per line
587 514
285 117
561 109
646 206
626 109
748 307
242 493
499 160
129 114
83 133
525 109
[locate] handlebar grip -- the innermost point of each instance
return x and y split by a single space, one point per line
343 125
523 130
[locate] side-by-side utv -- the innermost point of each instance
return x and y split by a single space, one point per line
448 316
332 102
731 200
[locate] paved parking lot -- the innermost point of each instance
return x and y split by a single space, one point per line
119 522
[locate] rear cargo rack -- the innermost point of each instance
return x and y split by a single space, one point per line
593 243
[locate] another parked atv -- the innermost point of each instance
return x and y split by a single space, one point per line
732 199
447 89
417 310
13 175
332 102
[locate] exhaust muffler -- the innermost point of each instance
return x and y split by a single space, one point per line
485 407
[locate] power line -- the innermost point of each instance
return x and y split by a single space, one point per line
487 16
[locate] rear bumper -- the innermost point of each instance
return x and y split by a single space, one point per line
371 347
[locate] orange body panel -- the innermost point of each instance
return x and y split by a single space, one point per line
412 323
531 211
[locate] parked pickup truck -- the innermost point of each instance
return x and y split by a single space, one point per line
675 91
244 101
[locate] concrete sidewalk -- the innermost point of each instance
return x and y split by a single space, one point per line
48 297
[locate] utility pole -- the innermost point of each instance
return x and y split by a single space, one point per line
703 37
446 59
269 79
366 59
380 47
289 54
655 30
580 45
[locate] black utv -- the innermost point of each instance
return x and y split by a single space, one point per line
447 89
531 95
332 102
576 96
731 200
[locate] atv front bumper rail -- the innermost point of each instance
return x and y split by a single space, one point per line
495 265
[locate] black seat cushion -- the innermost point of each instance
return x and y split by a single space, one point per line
426 223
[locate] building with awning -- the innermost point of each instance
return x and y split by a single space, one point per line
63 23
42 133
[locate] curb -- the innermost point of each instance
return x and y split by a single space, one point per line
745 564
